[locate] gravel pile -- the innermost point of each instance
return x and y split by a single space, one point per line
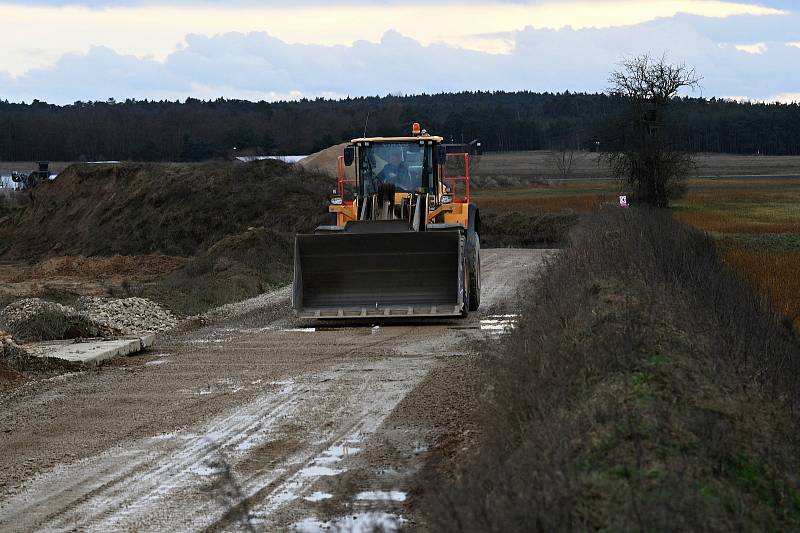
127 316
27 309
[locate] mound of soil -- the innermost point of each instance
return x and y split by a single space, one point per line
105 267
237 267
168 209
325 160
127 316
16 364
34 319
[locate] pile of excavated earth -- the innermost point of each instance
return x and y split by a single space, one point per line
99 316
190 236
24 310
127 316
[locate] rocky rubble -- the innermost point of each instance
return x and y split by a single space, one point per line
28 308
127 316
37 319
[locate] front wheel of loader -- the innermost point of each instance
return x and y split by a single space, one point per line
475 274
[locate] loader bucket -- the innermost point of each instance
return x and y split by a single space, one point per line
394 274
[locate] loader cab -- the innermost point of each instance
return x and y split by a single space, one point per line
408 166
407 173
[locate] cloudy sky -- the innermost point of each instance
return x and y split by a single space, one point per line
61 51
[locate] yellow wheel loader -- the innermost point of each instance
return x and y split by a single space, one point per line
404 239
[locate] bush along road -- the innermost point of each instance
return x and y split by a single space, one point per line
646 388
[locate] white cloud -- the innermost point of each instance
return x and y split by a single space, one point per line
794 44
150 30
785 98
260 66
754 48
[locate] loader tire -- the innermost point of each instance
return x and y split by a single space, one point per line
475 273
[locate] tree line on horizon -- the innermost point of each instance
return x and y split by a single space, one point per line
195 130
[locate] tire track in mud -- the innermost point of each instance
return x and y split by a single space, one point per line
212 476
125 488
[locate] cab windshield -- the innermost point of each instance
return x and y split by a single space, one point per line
400 164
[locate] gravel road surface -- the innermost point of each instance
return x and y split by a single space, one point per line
252 421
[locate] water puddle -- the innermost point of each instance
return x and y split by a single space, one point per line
382 495
62 377
204 469
284 497
286 386
319 471
336 453
318 496
358 523
499 324
165 436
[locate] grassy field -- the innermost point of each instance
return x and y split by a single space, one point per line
753 215
520 168
554 196
756 222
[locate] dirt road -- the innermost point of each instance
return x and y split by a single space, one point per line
252 422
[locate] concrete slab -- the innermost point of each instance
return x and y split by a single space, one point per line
91 350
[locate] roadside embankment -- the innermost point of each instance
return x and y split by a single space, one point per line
646 388
513 229
189 236
170 209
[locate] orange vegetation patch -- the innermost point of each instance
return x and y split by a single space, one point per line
774 272
719 198
733 183
106 267
582 203
720 223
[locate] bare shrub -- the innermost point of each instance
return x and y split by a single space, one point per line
53 325
561 160
520 230
646 388
642 154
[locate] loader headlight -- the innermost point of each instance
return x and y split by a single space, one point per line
446 199
336 200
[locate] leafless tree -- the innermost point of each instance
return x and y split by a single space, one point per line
561 159
643 155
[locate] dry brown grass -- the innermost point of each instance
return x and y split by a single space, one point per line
774 272
530 165
722 223
767 211
577 196
579 203
729 208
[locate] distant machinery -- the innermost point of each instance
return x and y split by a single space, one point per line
29 180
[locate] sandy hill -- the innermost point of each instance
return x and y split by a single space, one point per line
172 209
324 160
